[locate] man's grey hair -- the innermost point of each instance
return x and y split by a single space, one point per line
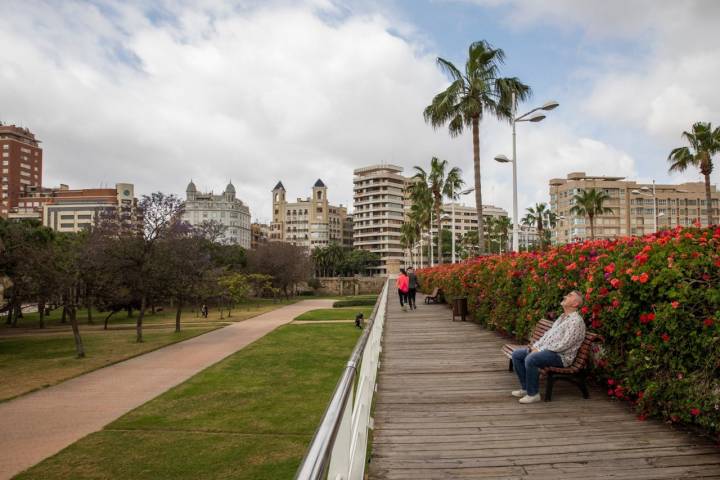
580 296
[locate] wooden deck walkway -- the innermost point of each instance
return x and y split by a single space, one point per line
444 411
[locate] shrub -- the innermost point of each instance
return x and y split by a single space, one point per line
360 302
655 300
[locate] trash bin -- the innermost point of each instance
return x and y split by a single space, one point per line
460 308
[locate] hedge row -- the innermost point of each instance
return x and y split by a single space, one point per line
655 299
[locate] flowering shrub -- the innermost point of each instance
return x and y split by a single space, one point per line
655 300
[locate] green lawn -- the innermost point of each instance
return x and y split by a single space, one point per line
250 416
335 313
36 361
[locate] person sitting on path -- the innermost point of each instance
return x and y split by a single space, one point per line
403 287
413 286
557 348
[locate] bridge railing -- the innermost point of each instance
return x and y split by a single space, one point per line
339 447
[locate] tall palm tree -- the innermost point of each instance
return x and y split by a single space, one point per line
409 234
502 226
471 95
490 230
420 212
704 143
440 185
589 203
536 217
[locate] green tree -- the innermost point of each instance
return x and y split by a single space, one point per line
704 143
441 185
589 203
471 95
409 235
421 209
502 226
537 216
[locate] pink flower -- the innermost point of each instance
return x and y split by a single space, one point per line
675 304
665 337
695 412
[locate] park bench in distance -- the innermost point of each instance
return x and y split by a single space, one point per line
575 373
434 297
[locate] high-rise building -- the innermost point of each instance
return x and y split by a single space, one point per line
310 222
225 209
21 158
378 213
260 234
632 213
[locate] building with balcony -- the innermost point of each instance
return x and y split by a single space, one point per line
310 222
21 163
632 213
225 209
379 204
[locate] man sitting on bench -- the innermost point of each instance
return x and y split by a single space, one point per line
557 348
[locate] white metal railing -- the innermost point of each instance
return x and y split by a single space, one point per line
339 447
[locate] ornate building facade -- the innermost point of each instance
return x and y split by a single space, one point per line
225 209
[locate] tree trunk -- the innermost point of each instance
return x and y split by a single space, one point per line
592 228
178 312
63 317
478 189
708 200
17 314
141 316
438 213
89 305
107 319
79 348
41 313
129 311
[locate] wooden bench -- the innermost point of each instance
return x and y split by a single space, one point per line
575 373
434 297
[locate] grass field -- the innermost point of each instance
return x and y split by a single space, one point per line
30 362
335 313
250 416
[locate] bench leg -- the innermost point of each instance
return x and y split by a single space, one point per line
549 381
582 383
510 367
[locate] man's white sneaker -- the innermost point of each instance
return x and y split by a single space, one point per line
518 393
530 399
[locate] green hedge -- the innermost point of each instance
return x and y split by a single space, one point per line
360 302
655 299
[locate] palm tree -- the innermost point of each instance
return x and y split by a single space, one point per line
440 185
589 203
704 143
536 217
490 227
502 226
420 212
470 96
409 234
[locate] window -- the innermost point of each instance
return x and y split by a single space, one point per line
67 225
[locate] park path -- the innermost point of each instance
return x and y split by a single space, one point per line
444 411
40 424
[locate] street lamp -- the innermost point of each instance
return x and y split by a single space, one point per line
534 116
644 191
452 206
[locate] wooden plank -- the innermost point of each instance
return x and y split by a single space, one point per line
443 410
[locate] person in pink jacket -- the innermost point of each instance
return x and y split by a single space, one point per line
403 286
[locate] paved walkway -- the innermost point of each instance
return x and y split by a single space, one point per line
444 411
38 425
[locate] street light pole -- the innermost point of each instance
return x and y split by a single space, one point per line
655 217
514 179
453 232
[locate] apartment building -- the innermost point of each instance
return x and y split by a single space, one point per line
70 211
260 233
225 209
310 222
21 164
379 204
633 206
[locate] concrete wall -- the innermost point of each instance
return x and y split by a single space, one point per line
351 285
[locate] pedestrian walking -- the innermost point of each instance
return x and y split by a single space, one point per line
403 285
413 286
204 310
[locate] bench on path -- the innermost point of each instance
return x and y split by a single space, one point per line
434 297
575 373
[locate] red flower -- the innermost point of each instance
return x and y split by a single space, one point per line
695 412
643 318
675 304
644 277
638 333
708 322
611 381
615 303
641 417
572 266
615 283
650 316
584 310
610 268
665 337
596 323
634 278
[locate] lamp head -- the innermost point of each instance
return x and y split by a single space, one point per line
502 159
538 117
550 105
635 192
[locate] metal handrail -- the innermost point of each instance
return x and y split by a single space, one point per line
317 459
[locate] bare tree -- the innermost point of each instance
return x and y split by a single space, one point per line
287 264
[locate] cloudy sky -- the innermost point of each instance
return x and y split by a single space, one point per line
156 93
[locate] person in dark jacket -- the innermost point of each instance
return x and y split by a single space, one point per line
413 286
